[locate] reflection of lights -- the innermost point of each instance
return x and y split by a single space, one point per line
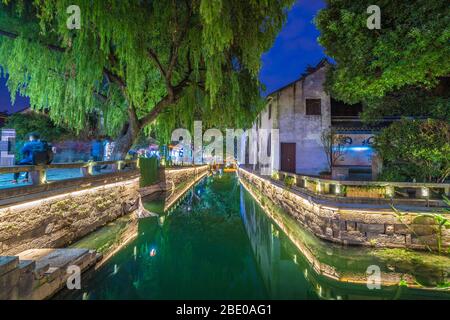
135 252
116 269
306 273
153 252
338 189
161 220
319 288
295 259
359 148
85 296
338 298
390 191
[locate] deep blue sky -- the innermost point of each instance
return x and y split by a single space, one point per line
294 49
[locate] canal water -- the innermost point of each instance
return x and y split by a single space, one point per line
218 243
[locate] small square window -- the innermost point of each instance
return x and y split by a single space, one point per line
313 107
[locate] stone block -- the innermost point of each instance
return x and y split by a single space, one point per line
329 232
423 230
429 240
401 229
408 240
370 228
8 263
384 239
53 273
352 237
351 226
9 289
423 220
389 229
26 279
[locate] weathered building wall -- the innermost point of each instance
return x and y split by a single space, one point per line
57 221
288 114
353 226
310 156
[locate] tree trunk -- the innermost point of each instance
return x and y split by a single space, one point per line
124 143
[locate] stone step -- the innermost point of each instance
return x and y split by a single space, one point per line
40 273
27 265
8 263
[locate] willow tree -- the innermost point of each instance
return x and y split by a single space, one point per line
141 63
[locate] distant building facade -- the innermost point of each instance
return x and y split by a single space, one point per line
7 146
302 111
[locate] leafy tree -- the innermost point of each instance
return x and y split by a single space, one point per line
25 123
413 102
401 69
141 63
410 49
333 147
415 149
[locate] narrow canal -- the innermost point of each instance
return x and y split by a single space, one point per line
219 244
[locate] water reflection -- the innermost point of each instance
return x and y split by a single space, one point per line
296 265
279 268
218 243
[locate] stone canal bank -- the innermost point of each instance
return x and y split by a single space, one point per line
30 265
352 224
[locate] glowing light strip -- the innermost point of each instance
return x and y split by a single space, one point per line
72 193
170 204
316 265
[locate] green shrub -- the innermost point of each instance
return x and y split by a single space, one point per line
415 149
289 181
149 171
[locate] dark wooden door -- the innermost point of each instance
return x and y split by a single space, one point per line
288 157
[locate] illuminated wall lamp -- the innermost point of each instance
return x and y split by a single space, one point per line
390 191
338 189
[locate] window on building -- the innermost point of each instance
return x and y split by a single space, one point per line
313 107
270 111
269 145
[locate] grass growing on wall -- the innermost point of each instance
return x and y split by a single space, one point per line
149 171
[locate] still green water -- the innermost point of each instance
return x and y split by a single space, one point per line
219 244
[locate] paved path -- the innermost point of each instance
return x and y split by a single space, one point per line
52 175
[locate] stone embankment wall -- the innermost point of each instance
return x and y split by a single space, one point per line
58 221
353 226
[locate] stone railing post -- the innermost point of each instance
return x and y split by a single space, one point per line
39 176
88 170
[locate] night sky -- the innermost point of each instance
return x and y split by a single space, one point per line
294 49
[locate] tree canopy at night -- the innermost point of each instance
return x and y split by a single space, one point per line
410 49
140 63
